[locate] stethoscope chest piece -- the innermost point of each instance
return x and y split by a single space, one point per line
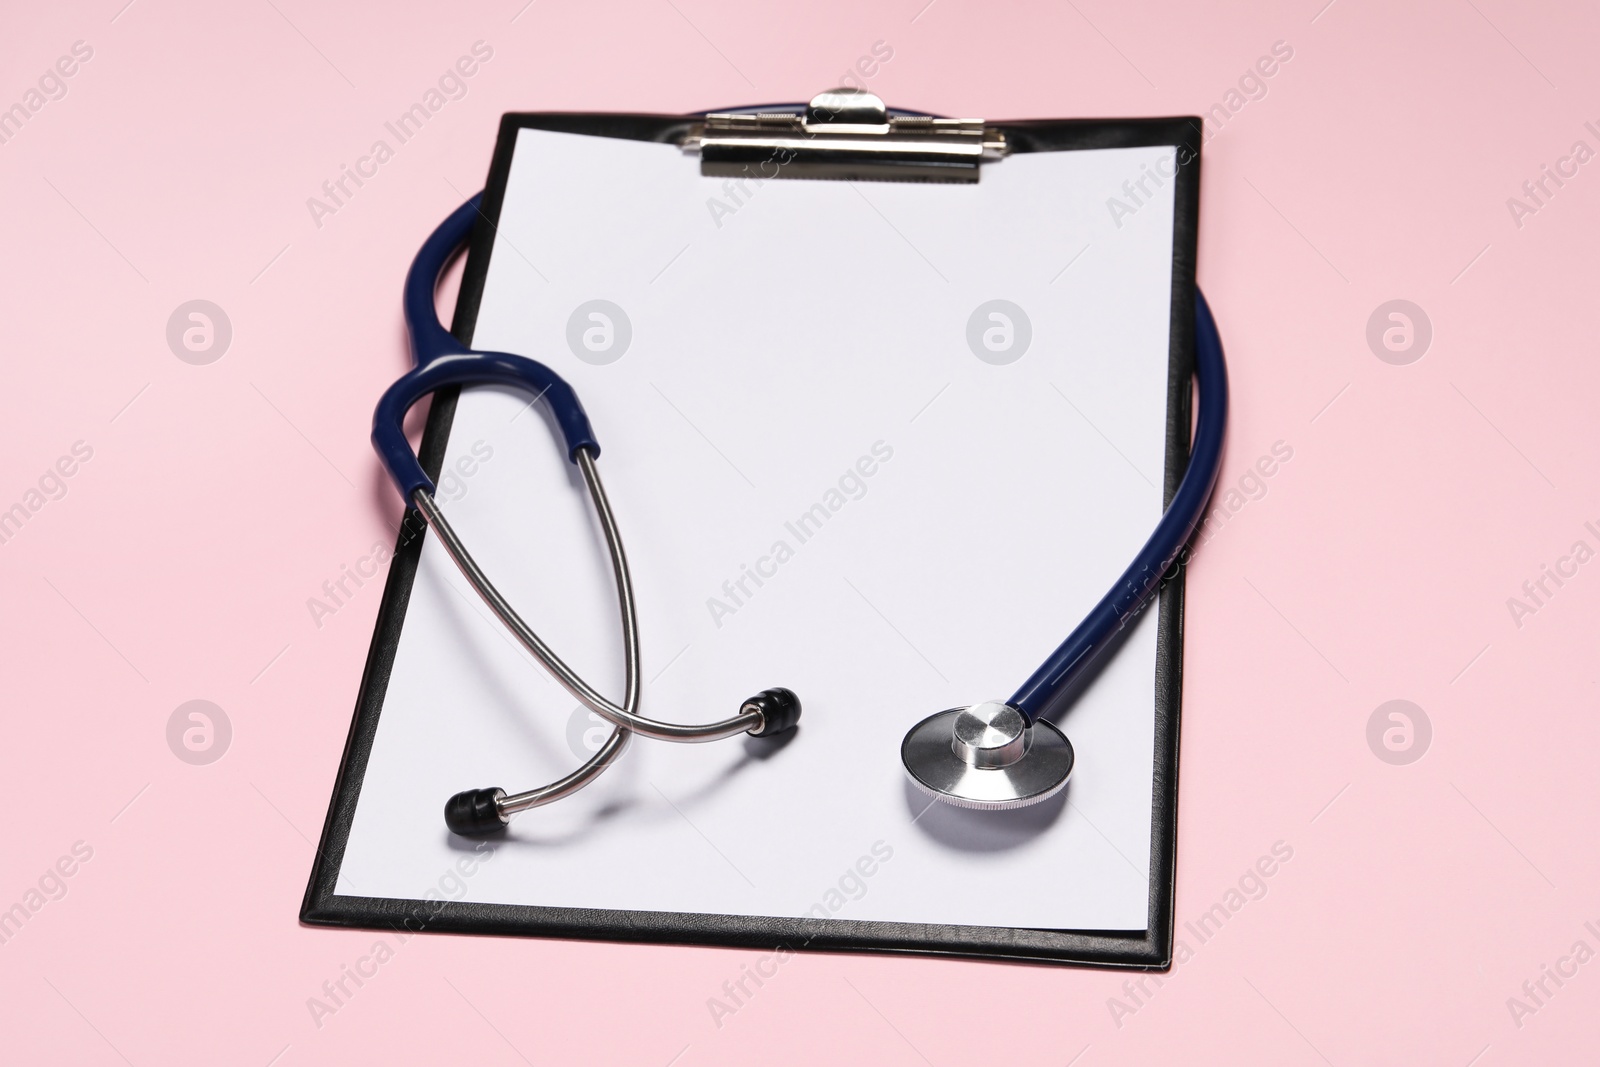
987 756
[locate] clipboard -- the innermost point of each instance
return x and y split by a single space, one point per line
729 143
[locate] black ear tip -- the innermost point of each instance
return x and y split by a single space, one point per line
780 711
475 812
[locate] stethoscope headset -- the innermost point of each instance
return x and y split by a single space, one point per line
991 755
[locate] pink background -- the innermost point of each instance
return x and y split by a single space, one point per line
1419 498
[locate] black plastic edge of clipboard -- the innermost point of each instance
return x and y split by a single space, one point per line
1150 950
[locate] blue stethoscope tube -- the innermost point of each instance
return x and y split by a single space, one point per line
441 360
1134 589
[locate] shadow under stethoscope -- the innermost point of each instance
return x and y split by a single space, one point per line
627 797
972 830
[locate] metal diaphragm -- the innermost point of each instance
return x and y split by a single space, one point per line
987 756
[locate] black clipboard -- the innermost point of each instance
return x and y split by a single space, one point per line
1150 950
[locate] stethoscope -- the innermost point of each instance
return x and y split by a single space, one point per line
995 754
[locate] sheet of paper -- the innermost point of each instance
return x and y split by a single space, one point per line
827 478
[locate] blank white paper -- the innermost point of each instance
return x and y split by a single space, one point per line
788 338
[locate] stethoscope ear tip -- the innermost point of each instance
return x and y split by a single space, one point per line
475 812
779 709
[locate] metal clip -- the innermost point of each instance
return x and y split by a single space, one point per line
843 134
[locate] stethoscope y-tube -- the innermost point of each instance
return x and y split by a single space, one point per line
441 360
996 754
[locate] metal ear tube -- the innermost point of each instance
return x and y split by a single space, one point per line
479 811
441 360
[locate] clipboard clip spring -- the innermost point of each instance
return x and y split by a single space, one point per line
843 134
